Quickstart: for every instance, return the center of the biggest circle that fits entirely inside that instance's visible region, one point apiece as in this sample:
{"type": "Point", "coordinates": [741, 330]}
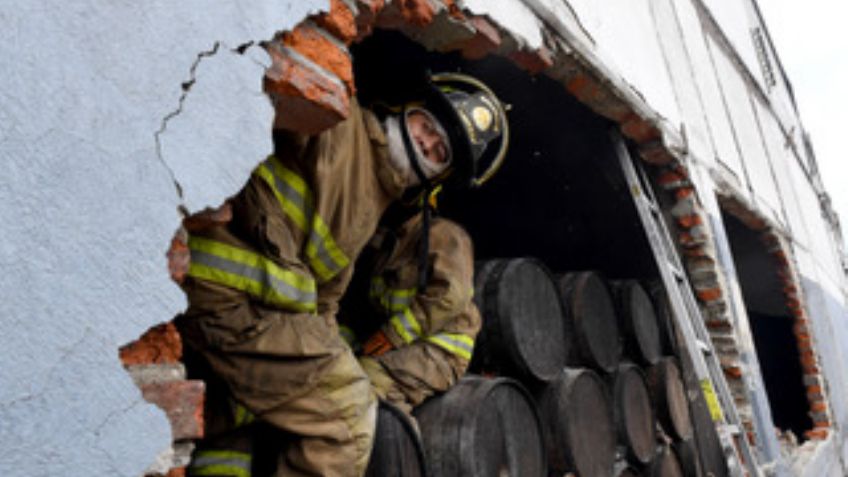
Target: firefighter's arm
{"type": "Point", "coordinates": [178, 254]}
{"type": "Point", "coordinates": [450, 282]}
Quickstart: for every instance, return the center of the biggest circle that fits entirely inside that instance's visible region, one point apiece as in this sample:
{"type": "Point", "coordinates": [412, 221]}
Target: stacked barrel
{"type": "Point", "coordinates": [570, 374]}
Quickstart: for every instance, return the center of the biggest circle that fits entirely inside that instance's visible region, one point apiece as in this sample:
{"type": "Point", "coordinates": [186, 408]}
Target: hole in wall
{"type": "Point", "coordinates": [772, 328]}
{"type": "Point", "coordinates": [559, 196]}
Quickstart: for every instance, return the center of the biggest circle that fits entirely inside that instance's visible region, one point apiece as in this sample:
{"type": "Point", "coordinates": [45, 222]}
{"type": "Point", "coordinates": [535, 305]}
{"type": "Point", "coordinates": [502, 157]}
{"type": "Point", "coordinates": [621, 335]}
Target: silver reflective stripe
{"type": "Point", "coordinates": [457, 344]}
{"type": "Point", "coordinates": [303, 203]}
{"type": "Point", "coordinates": [322, 253]}
{"type": "Point", "coordinates": [290, 193]}
{"type": "Point", "coordinates": [255, 274]}
{"type": "Point", "coordinates": [406, 326]}
{"type": "Point", "coordinates": [397, 302]}
{"type": "Point", "coordinates": [221, 463]}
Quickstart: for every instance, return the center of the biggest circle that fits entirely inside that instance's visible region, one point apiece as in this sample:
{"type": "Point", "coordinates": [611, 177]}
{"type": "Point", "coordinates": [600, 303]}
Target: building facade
{"type": "Point", "coordinates": [118, 119]}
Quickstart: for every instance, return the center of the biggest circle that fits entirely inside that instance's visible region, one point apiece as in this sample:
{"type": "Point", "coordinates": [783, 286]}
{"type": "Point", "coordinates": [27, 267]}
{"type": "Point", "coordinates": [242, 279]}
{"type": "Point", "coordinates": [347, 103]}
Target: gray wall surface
{"type": "Point", "coordinates": [88, 203]}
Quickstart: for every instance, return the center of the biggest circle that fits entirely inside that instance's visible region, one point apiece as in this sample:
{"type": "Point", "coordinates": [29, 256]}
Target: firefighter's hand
{"type": "Point", "coordinates": [209, 218]}
{"type": "Point", "coordinates": [178, 256]}
{"type": "Point", "coordinates": [377, 345]}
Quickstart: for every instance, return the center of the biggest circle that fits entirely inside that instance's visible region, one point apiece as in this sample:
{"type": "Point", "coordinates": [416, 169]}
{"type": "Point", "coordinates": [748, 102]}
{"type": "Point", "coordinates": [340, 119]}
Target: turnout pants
{"type": "Point", "coordinates": [291, 371]}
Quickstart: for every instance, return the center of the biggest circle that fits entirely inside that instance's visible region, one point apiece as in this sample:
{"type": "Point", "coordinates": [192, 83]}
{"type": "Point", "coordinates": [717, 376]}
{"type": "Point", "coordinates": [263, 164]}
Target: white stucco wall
{"type": "Point", "coordinates": [88, 205]}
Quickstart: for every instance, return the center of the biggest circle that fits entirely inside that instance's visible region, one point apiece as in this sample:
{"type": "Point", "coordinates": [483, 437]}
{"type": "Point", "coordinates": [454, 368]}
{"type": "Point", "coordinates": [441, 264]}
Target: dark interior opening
{"type": "Point", "coordinates": [559, 197]}
{"type": "Point", "coordinates": [771, 324]}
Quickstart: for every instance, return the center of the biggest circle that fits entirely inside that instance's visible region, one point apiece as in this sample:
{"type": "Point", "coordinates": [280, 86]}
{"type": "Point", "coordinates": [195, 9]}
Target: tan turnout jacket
{"type": "Point", "coordinates": [432, 330]}
{"type": "Point", "coordinates": [263, 291]}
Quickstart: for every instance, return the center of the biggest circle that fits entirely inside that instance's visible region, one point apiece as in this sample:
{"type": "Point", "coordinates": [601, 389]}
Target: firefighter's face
{"type": "Point", "coordinates": [426, 136]}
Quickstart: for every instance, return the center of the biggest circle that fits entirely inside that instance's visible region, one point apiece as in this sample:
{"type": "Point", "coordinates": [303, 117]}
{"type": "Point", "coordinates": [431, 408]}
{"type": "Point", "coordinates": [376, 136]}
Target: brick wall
{"type": "Point", "coordinates": [153, 361]}
{"type": "Point", "coordinates": [311, 81]}
{"type": "Point", "coordinates": [780, 249]}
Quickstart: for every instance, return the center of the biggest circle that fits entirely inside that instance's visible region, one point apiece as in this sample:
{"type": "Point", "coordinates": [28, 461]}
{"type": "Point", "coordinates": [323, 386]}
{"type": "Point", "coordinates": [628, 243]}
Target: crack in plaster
{"type": "Point", "coordinates": [48, 374]}
{"type": "Point", "coordinates": [186, 87]}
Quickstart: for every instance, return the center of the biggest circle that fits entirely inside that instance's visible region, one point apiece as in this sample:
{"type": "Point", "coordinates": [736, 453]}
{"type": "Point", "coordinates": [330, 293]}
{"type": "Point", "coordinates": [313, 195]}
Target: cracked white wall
{"type": "Point", "coordinates": [88, 205]}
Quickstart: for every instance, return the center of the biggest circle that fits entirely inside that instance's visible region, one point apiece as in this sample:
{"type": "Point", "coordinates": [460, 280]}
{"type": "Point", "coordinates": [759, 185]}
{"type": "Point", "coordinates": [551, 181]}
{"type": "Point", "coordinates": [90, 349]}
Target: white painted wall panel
{"type": "Point", "coordinates": [513, 15]}
{"type": "Point", "coordinates": [781, 157]}
{"type": "Point", "coordinates": [735, 20]}
{"type": "Point", "coordinates": [707, 83]}
{"type": "Point", "coordinates": [820, 236]}
{"type": "Point", "coordinates": [669, 32]}
{"type": "Point", "coordinates": [625, 39]}
{"type": "Point", "coordinates": [88, 207]}
{"type": "Point", "coordinates": [754, 159]}
{"type": "Point", "coordinates": [721, 67]}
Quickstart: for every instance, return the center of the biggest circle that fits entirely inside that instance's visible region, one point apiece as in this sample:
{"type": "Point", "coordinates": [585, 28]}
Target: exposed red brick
{"type": "Point", "coordinates": [306, 100]}
{"type": "Point", "coordinates": [733, 372]}
{"type": "Point", "coordinates": [719, 325]}
{"type": "Point", "coordinates": [158, 345]}
{"type": "Point", "coordinates": [453, 9]}
{"type": "Point", "coordinates": [816, 434]}
{"type": "Point", "coordinates": [655, 152]}
{"type": "Point", "coordinates": [176, 472]}
{"type": "Point", "coordinates": [309, 42]}
{"type": "Point", "coordinates": [639, 129]}
{"type": "Point", "coordinates": [414, 12]}
{"type": "Point", "coordinates": [672, 179]}
{"type": "Point", "coordinates": [367, 15]}
{"type": "Point", "coordinates": [818, 406]}
{"type": "Point", "coordinates": [182, 402]}
{"type": "Point", "coordinates": [697, 252]}
{"type": "Point", "coordinates": [684, 192]}
{"type": "Point", "coordinates": [590, 92]}
{"type": "Point", "coordinates": [709, 294]}
{"type": "Point", "coordinates": [808, 362]}
{"type": "Point", "coordinates": [689, 221]}
{"type": "Point", "coordinates": [533, 61]}
{"type": "Point", "coordinates": [485, 41]}
{"type": "Point", "coordinates": [339, 21]}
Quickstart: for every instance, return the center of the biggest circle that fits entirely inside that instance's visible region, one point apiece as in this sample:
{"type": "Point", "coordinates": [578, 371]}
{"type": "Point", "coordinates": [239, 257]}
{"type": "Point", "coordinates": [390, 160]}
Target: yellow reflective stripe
{"type": "Point", "coordinates": [325, 257]}
{"type": "Point", "coordinates": [455, 343]}
{"type": "Point", "coordinates": [242, 416]}
{"type": "Point", "coordinates": [252, 273]}
{"type": "Point", "coordinates": [347, 334]}
{"type": "Point", "coordinates": [391, 300]}
{"type": "Point", "coordinates": [220, 463]}
{"type": "Point", "coordinates": [289, 203]}
{"type": "Point", "coordinates": [406, 325]}
{"type": "Point", "coordinates": [378, 288]}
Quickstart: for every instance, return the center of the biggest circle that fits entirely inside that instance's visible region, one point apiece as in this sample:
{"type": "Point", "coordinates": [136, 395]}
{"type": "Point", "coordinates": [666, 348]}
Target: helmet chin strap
{"type": "Point", "coordinates": [424, 244]}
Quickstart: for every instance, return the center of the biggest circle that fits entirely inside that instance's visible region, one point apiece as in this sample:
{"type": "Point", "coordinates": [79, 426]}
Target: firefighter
{"type": "Point", "coordinates": [425, 343]}
{"type": "Point", "coordinates": [266, 273]}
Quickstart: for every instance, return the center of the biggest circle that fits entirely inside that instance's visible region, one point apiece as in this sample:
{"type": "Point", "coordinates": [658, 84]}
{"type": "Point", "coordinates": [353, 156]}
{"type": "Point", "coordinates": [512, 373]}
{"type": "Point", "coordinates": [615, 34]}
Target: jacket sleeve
{"type": "Point", "coordinates": [446, 304]}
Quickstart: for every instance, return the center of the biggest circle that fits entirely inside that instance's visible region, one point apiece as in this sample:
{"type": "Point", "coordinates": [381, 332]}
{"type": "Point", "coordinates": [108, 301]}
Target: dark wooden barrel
{"type": "Point", "coordinates": [577, 421]}
{"type": "Point", "coordinates": [590, 319]}
{"type": "Point", "coordinates": [397, 450]}
{"type": "Point", "coordinates": [665, 317]}
{"type": "Point", "coordinates": [638, 322]}
{"type": "Point", "coordinates": [482, 427]}
{"type": "Point", "coordinates": [687, 454]}
{"type": "Point", "coordinates": [669, 396]}
{"type": "Point", "coordinates": [634, 413]}
{"type": "Point", "coordinates": [665, 464]}
{"type": "Point", "coordinates": [522, 334]}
